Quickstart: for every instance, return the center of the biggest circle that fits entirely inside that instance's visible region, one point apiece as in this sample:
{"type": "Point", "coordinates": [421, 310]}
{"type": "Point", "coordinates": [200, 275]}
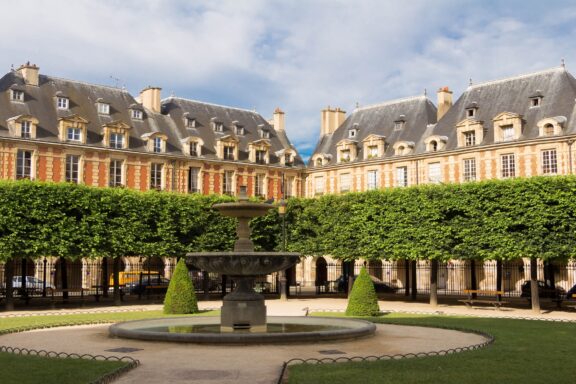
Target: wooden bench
{"type": "Point", "coordinates": [470, 301]}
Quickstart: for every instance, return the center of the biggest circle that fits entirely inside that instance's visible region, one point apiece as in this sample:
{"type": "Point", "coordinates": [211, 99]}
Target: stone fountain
{"type": "Point", "coordinates": [243, 317]}
{"type": "Point", "coordinates": [243, 308]}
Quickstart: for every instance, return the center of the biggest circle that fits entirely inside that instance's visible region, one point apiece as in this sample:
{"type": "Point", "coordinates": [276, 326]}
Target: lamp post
{"type": "Point", "coordinates": [282, 273]}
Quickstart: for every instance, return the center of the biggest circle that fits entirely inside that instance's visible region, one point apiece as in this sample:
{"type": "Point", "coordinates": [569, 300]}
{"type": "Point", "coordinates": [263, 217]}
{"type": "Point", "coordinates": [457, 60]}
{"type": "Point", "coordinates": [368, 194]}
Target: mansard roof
{"type": "Point", "coordinates": [556, 88]}
{"type": "Point", "coordinates": [416, 113]}
{"type": "Point", "coordinates": [204, 114]}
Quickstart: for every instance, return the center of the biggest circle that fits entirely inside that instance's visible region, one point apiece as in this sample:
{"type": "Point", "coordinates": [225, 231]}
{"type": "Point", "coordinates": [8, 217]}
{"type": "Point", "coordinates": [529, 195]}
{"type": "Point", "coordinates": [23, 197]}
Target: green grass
{"type": "Point", "coordinates": [23, 369]}
{"type": "Point", "coordinates": [524, 352]}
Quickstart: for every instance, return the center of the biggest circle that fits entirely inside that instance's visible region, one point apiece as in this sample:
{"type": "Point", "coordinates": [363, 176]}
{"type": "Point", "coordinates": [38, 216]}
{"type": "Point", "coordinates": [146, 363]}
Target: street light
{"type": "Point", "coordinates": [282, 273]}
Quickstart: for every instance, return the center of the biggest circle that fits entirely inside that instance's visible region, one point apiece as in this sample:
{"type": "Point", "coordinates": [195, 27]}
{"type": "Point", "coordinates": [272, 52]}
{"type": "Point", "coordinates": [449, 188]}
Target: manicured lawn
{"type": "Point", "coordinates": [525, 352]}
{"type": "Point", "coordinates": [32, 370]}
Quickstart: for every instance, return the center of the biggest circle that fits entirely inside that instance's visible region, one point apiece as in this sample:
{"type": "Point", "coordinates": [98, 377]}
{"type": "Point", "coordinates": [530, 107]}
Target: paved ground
{"type": "Point", "coordinates": [178, 363]}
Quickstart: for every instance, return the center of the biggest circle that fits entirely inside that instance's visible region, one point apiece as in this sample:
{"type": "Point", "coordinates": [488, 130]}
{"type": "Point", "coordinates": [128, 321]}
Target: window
{"type": "Point", "coordinates": [372, 180]}
{"type": "Point", "coordinates": [156, 176]}
{"type": "Point", "coordinates": [287, 159]}
{"type": "Point", "coordinates": [434, 173]}
{"type": "Point", "coordinates": [345, 182]}
{"type": "Point", "coordinates": [352, 133]}
{"type": "Point", "coordinates": [402, 176]}
{"type": "Point", "coordinates": [23, 164]}
{"type": "Point", "coordinates": [74, 134]}
{"type": "Point", "coordinates": [548, 130]}
{"type": "Point", "coordinates": [115, 176]}
{"type": "Point", "coordinates": [137, 114]}
{"type": "Point", "coordinates": [25, 129]}
{"type": "Point", "coordinates": [193, 174]}
{"type": "Point", "coordinates": [62, 102]}
{"type": "Point", "coordinates": [239, 130]}
{"type": "Point", "coordinates": [259, 185]}
{"type": "Point", "coordinates": [264, 134]}
{"type": "Point", "coordinates": [398, 125]}
{"type": "Point", "coordinates": [190, 123]}
{"type": "Point", "coordinates": [260, 157]}
{"type": "Point", "coordinates": [345, 155]}
{"type": "Point", "coordinates": [433, 146]}
{"type": "Point", "coordinates": [469, 169]}
{"type": "Point", "coordinates": [535, 101]}
{"type": "Point", "coordinates": [103, 108]}
{"type": "Point", "coordinates": [193, 148]}
{"type": "Point", "coordinates": [508, 165]}
{"type": "Point", "coordinates": [16, 95]}
{"type": "Point", "coordinates": [319, 185]}
{"type": "Point", "coordinates": [157, 145]}
{"type": "Point", "coordinates": [228, 152]}
{"type": "Point", "coordinates": [72, 168]}
{"type": "Point", "coordinates": [507, 132]}
{"type": "Point", "coordinates": [319, 162]}
{"type": "Point", "coordinates": [469, 138]}
{"type": "Point", "coordinates": [549, 162]}
{"type": "Point", "coordinates": [228, 183]}
{"type": "Point", "coordinates": [471, 112]}
{"type": "Point", "coordinates": [372, 151]}
{"type": "Point", "coordinates": [218, 127]}
{"type": "Point", "coordinates": [288, 185]}
{"type": "Point", "coordinates": [116, 140]}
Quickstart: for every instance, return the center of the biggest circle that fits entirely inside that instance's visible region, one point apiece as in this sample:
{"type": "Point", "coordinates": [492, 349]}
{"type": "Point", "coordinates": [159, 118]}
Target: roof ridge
{"type": "Point", "coordinates": [122, 89]}
{"type": "Point", "coordinates": [212, 104]}
{"type": "Point", "coordinates": [517, 77]}
{"type": "Point", "coordinates": [390, 102]}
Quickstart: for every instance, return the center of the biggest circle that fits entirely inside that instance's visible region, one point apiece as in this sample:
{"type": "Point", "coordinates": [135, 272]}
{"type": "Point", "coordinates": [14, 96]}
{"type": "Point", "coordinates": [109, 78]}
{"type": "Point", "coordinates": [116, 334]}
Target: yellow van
{"type": "Point", "coordinates": [126, 277]}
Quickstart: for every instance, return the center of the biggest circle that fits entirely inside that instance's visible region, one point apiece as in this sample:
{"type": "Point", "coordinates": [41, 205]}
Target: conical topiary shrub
{"type": "Point", "coordinates": [180, 297]}
{"type": "Point", "coordinates": [363, 300]}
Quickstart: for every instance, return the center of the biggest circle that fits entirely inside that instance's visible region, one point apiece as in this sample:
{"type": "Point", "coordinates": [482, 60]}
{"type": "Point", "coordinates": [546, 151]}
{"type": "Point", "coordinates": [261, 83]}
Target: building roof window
{"type": "Point", "coordinates": [103, 108]}
{"type": "Point", "coordinates": [536, 99]}
{"type": "Point", "coordinates": [16, 95]}
{"type": "Point", "coordinates": [62, 102]}
{"type": "Point", "coordinates": [399, 123]}
{"type": "Point", "coordinates": [190, 122]}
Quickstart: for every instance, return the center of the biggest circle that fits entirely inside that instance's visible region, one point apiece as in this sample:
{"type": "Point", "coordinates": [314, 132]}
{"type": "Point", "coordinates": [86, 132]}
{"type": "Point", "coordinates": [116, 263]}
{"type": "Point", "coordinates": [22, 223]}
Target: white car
{"type": "Point", "coordinates": [32, 283]}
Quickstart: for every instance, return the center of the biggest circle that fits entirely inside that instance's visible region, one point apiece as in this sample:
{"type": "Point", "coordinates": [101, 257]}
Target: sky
{"type": "Point", "coordinates": [299, 55]}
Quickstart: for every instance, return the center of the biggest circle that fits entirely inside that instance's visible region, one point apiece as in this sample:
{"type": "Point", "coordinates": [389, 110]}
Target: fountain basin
{"type": "Point", "coordinates": [242, 263]}
{"type": "Point", "coordinates": [280, 329]}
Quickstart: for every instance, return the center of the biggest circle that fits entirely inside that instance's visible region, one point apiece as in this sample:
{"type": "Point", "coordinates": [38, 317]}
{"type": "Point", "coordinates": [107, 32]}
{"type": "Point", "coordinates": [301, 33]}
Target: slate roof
{"type": "Point", "coordinates": [417, 112]}
{"type": "Point", "coordinates": [556, 86]}
{"type": "Point", "coordinates": [40, 102]}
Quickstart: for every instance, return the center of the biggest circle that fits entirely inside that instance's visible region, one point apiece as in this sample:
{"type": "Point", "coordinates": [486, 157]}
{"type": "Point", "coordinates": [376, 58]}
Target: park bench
{"type": "Point", "coordinates": [472, 300]}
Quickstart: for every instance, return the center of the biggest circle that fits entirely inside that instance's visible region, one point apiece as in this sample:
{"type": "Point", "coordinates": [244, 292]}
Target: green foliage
{"type": "Point", "coordinates": [363, 300]}
{"type": "Point", "coordinates": [180, 297]}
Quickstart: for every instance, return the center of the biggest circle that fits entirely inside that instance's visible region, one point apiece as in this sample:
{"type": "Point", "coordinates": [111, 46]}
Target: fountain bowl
{"type": "Point", "coordinates": [206, 330]}
{"type": "Point", "coordinates": [242, 263]}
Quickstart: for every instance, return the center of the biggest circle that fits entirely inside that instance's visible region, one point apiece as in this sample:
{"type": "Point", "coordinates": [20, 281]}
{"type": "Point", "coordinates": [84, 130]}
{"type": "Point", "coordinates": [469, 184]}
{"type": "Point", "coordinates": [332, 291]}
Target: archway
{"type": "Point", "coordinates": [321, 271]}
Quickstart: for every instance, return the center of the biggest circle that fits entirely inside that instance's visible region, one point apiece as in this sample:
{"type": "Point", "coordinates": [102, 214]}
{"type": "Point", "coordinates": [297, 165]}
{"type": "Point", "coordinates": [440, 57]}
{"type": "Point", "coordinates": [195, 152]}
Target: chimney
{"type": "Point", "coordinates": [30, 73]}
{"type": "Point", "coordinates": [330, 120]}
{"type": "Point", "coordinates": [444, 101]}
{"type": "Point", "coordinates": [150, 98]}
{"type": "Point", "coordinates": [278, 120]}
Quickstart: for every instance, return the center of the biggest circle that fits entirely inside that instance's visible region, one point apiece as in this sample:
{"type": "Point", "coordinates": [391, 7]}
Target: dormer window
{"type": "Point", "coordinates": [433, 146]}
{"type": "Point", "coordinates": [507, 132]}
{"type": "Point", "coordinates": [372, 151]}
{"type": "Point", "coordinates": [403, 148]}
{"type": "Point", "coordinates": [319, 162]}
{"type": "Point", "coordinates": [536, 99]}
{"type": "Point", "coordinates": [26, 129]}
{"type": "Point", "coordinates": [217, 125]}
{"type": "Point", "coordinates": [62, 102]}
{"type": "Point", "coordinates": [353, 132]}
{"type": "Point", "coordinates": [239, 130]}
{"type": "Point", "coordinates": [399, 124]}
{"type": "Point", "coordinates": [261, 156]}
{"type": "Point", "coordinates": [103, 108]}
{"type": "Point", "coordinates": [74, 134]}
{"type": "Point", "coordinates": [345, 155]}
{"type": "Point", "coordinates": [471, 112]}
{"type": "Point", "coordinates": [551, 126]}
{"type": "Point", "coordinates": [116, 140]}
{"type": "Point", "coordinates": [16, 95]}
{"type": "Point", "coordinates": [157, 145]}
{"type": "Point", "coordinates": [190, 122]}
{"type": "Point", "coordinates": [469, 138]}
{"type": "Point", "coordinates": [288, 159]}
{"type": "Point", "coordinates": [229, 152]}
{"type": "Point", "coordinates": [548, 130]}
{"type": "Point", "coordinates": [194, 149]}
{"type": "Point", "coordinates": [136, 114]}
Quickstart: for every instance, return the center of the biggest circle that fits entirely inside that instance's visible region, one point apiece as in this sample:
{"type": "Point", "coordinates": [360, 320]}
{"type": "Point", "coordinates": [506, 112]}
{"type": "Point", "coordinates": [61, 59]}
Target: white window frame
{"type": "Point", "coordinates": [469, 138]}
{"type": "Point", "coordinates": [508, 132]}
{"type": "Point", "coordinates": [116, 173]}
{"type": "Point", "coordinates": [103, 108]}
{"type": "Point", "coordinates": [372, 180]}
{"type": "Point", "coordinates": [259, 182]}
{"type": "Point", "coordinates": [228, 152]}
{"type": "Point", "coordinates": [156, 176]}
{"type": "Point", "coordinates": [16, 95]}
{"type": "Point", "coordinates": [193, 148]}
{"type": "Point", "coordinates": [228, 183]}
{"type": "Point", "coordinates": [62, 102]}
{"type": "Point", "coordinates": [469, 169]}
{"type": "Point", "coordinates": [507, 165]}
{"type": "Point", "coordinates": [319, 185]}
{"type": "Point", "coordinates": [116, 140]}
{"type": "Point", "coordinates": [26, 129]}
{"type": "Point", "coordinates": [72, 168]}
{"type": "Point", "coordinates": [74, 134]}
{"type": "Point", "coordinates": [137, 114]}
{"type": "Point", "coordinates": [402, 176]}
{"type": "Point", "coordinates": [157, 145]}
{"type": "Point", "coordinates": [345, 182]}
{"type": "Point", "coordinates": [193, 179]}
{"type": "Point", "coordinates": [24, 164]}
{"type": "Point", "coordinates": [434, 173]}
{"type": "Point", "coordinates": [288, 186]}
{"type": "Point", "coordinates": [549, 162]}
{"type": "Point", "coordinates": [260, 156]}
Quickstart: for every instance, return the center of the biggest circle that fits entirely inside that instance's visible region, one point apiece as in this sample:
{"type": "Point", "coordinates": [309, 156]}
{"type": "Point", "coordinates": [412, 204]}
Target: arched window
{"type": "Point", "coordinates": [548, 130]}
{"type": "Point", "coordinates": [433, 146]}
{"type": "Point", "coordinates": [319, 162]}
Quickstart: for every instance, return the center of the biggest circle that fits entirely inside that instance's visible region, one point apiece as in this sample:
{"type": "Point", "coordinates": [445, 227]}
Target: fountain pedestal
{"type": "Point", "coordinates": [243, 308]}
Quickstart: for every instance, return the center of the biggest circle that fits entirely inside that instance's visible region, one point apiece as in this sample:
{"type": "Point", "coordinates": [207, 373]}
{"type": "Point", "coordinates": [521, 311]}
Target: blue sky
{"type": "Point", "coordinates": [299, 55]}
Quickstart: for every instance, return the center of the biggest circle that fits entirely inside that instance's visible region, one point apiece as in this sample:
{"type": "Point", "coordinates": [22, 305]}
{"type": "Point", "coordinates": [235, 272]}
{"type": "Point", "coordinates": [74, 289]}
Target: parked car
{"type": "Point", "coordinates": [544, 290]}
{"type": "Point", "coordinates": [157, 285]}
{"type": "Point", "coordinates": [379, 285]}
{"type": "Point", "coordinates": [571, 291]}
{"type": "Point", "coordinates": [32, 284]}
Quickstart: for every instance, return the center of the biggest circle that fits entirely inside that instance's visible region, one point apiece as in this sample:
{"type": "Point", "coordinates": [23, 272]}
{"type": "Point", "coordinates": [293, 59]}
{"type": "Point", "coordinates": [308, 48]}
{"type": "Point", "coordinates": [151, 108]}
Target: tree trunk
{"type": "Point", "coordinates": [414, 280]}
{"type": "Point", "coordinates": [64, 277]}
{"type": "Point", "coordinates": [407, 277]}
{"type": "Point", "coordinates": [105, 277]}
{"type": "Point", "coordinates": [434, 283]}
{"type": "Point", "coordinates": [473, 280]}
{"type": "Point", "coordinates": [206, 285]}
{"type": "Point", "coordinates": [116, 273]}
{"type": "Point", "coordinates": [535, 298]}
{"type": "Point", "coordinates": [499, 277]}
{"type": "Point", "coordinates": [9, 274]}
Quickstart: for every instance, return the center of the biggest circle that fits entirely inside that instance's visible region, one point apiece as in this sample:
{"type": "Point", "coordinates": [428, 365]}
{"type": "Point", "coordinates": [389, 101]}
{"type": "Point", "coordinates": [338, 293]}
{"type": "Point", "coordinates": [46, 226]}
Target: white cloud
{"type": "Point", "coordinates": [301, 56]}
